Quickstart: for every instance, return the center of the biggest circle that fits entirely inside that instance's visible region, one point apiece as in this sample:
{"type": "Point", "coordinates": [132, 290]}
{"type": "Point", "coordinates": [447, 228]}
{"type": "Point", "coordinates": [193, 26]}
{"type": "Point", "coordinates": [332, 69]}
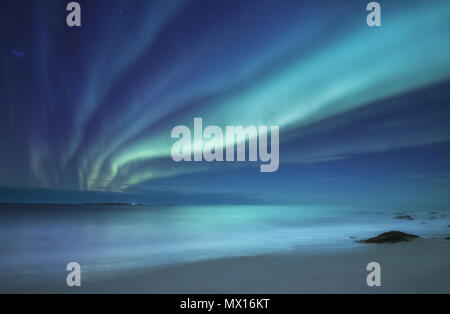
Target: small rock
{"type": "Point", "coordinates": [390, 237]}
{"type": "Point", "coordinates": [404, 217]}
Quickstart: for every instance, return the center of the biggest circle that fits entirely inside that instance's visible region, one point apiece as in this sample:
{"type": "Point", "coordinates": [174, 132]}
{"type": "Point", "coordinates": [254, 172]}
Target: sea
{"type": "Point", "coordinates": [108, 237]}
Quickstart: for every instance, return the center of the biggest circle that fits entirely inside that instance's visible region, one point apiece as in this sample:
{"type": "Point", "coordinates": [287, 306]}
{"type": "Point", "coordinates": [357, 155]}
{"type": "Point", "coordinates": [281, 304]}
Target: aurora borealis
{"type": "Point", "coordinates": [362, 111]}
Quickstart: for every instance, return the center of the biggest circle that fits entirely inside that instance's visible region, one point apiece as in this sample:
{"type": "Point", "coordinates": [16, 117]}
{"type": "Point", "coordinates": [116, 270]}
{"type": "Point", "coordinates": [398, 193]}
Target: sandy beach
{"type": "Point", "coordinates": [418, 266]}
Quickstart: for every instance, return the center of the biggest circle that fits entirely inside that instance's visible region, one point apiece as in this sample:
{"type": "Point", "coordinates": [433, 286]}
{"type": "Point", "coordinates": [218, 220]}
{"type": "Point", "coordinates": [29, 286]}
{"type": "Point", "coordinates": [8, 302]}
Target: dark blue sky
{"type": "Point", "coordinates": [86, 113]}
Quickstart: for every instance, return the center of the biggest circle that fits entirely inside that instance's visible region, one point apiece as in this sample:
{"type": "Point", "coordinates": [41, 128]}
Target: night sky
{"type": "Point", "coordinates": [86, 113]}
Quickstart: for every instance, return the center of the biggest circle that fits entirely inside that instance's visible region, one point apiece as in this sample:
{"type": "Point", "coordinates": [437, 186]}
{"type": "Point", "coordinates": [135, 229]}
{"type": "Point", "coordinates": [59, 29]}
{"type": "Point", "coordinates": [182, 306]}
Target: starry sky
{"type": "Point", "coordinates": [86, 113]}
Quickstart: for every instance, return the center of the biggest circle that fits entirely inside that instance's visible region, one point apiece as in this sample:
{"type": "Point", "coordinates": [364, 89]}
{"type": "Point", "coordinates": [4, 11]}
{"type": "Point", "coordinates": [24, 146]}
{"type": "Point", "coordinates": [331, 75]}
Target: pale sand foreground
{"type": "Point", "coordinates": [419, 266]}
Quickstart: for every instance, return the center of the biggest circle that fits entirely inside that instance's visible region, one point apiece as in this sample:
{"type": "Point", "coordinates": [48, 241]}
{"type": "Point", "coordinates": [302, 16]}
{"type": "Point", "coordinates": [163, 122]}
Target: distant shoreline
{"type": "Point", "coordinates": [82, 204]}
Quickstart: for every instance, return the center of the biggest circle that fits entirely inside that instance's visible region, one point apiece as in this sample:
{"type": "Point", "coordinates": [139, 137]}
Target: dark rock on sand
{"type": "Point", "coordinates": [390, 237]}
{"type": "Point", "coordinates": [404, 217]}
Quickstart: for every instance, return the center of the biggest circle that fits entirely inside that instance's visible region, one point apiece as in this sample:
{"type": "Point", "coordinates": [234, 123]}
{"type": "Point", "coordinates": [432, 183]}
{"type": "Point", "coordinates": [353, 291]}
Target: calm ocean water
{"type": "Point", "coordinates": [47, 236]}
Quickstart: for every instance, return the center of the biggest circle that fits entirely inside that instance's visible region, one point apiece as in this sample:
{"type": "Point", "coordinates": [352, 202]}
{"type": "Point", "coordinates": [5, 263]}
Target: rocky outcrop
{"type": "Point", "coordinates": [390, 237]}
